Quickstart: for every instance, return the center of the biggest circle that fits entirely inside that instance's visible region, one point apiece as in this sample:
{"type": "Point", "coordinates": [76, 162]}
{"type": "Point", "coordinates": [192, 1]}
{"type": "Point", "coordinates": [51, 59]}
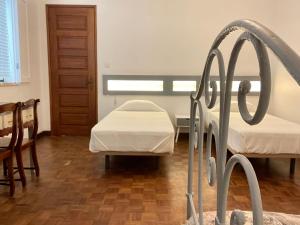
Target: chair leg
{"type": "Point", "coordinates": [11, 176]}
{"type": "Point", "coordinates": [21, 167]}
{"type": "Point", "coordinates": [156, 162]}
{"type": "Point", "coordinates": [35, 160]}
{"type": "Point", "coordinates": [5, 167]}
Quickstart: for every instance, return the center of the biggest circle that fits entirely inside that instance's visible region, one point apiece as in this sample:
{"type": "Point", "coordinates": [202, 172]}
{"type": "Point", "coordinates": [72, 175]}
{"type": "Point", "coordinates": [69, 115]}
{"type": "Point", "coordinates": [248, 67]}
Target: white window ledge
{"type": "Point", "coordinates": [12, 84]}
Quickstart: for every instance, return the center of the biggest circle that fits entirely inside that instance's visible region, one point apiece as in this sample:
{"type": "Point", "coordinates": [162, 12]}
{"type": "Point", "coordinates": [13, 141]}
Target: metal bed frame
{"type": "Point", "coordinates": [292, 158]}
{"type": "Point", "coordinates": [218, 170]}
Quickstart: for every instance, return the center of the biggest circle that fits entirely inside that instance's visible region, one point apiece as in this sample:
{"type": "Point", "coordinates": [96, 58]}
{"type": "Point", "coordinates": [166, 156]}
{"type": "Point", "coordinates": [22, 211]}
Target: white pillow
{"type": "Point", "coordinates": [234, 107]}
{"type": "Point", "coordinates": [140, 105]}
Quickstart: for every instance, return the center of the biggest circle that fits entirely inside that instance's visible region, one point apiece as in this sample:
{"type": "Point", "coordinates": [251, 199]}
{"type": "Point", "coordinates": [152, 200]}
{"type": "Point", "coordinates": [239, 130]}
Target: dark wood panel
{"type": "Point", "coordinates": [72, 72]}
{"type": "Point", "coordinates": [67, 109]}
{"type": "Point", "coordinates": [71, 22]}
{"type": "Point", "coordinates": [77, 81]}
{"type": "Point", "coordinates": [74, 119]}
{"type": "Point", "coordinates": [77, 10]}
{"type": "Point", "coordinates": [72, 52]}
{"type": "Point", "coordinates": [66, 42]}
{"type": "Point", "coordinates": [71, 100]}
{"type": "Point", "coordinates": [74, 130]}
{"type": "Point", "coordinates": [72, 63]}
{"type": "Point", "coordinates": [74, 33]}
{"type": "Point", "coordinates": [72, 91]}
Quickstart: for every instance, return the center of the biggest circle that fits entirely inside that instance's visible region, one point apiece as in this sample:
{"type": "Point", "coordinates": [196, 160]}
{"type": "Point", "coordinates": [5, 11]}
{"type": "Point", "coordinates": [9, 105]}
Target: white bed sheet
{"type": "Point", "coordinates": [133, 131]}
{"type": "Point", "coordinates": [273, 135]}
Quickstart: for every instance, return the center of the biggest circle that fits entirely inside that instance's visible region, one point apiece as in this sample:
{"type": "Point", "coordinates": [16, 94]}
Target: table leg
{"type": "Point", "coordinates": [196, 140]}
{"type": "Point", "coordinates": [177, 134]}
{"type": "Point", "coordinates": [292, 166]}
{"type": "Point", "coordinates": [107, 162]}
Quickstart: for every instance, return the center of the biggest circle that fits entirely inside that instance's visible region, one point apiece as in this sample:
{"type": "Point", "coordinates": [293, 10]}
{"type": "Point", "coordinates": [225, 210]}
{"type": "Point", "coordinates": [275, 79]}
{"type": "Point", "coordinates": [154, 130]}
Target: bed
{"type": "Point", "coordinates": [137, 127]}
{"type": "Point", "coordinates": [272, 137]}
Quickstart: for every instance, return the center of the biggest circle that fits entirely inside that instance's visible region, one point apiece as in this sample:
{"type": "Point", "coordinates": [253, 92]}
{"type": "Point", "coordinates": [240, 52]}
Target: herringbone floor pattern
{"type": "Point", "coordinates": [75, 189]}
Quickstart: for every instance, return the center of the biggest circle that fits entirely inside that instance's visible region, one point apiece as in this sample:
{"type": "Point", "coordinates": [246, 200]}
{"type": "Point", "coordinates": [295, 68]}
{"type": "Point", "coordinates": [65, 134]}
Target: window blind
{"type": "Point", "coordinates": [9, 47]}
{"type": "Point", "coordinates": [5, 57]}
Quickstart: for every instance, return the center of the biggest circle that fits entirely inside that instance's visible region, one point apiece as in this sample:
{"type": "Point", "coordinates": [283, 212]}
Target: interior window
{"type": "Point", "coordinates": [184, 85]}
{"type": "Point", "coordinates": [9, 42]}
{"type": "Point", "coordinates": [135, 85]}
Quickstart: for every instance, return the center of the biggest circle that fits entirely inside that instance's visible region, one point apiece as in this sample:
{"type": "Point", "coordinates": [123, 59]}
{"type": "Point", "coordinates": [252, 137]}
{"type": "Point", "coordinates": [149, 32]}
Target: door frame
{"type": "Point", "coordinates": [53, 129]}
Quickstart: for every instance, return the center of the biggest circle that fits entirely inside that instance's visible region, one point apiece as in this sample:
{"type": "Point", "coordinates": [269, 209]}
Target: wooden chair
{"type": "Point", "coordinates": [28, 121]}
{"type": "Point", "coordinates": [9, 114]}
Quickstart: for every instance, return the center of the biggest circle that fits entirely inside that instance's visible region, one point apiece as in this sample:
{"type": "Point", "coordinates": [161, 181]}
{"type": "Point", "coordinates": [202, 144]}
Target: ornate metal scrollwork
{"type": "Point", "coordinates": [218, 171]}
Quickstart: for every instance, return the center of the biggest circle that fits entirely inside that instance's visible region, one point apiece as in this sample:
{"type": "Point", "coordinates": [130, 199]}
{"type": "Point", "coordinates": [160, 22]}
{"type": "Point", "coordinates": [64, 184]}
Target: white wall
{"type": "Point", "coordinates": [169, 37]}
{"type": "Point", "coordinates": [30, 89]}
{"type": "Point", "coordinates": [286, 92]}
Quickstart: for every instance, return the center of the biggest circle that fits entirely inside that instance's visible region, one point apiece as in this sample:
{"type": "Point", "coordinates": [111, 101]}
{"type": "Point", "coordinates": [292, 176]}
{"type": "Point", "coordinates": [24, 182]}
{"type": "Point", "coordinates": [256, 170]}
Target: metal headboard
{"type": "Point", "coordinates": [218, 170]}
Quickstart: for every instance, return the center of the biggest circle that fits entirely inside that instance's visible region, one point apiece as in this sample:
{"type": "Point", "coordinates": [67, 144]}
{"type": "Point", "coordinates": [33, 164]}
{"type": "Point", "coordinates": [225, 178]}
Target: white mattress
{"type": "Point", "coordinates": [133, 131]}
{"type": "Point", "coordinates": [273, 135]}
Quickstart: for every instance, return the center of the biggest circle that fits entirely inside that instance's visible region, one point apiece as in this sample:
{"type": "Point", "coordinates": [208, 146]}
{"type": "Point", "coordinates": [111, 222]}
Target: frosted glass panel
{"type": "Point", "coordinates": [184, 86]}
{"type": "Point", "coordinates": [255, 86]}
{"type": "Point", "coordinates": [135, 85]}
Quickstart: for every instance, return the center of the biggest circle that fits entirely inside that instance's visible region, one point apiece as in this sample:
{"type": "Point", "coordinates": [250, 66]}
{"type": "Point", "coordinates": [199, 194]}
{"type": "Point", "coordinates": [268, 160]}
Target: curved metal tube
{"type": "Point", "coordinates": [218, 171]}
{"type": "Point", "coordinates": [244, 89]}
{"type": "Point", "coordinates": [191, 156]}
{"type": "Point", "coordinates": [253, 186]}
{"type": "Point", "coordinates": [286, 54]}
{"type": "Point", "coordinates": [200, 130]}
{"type": "Point", "coordinates": [211, 161]}
{"type": "Point", "coordinates": [288, 57]}
{"type": "Point", "coordinates": [215, 53]}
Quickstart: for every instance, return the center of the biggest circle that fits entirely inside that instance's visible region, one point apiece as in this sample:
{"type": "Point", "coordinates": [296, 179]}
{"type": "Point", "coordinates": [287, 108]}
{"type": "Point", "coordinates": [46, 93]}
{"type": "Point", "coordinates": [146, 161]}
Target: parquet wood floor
{"type": "Point", "coordinates": [75, 189]}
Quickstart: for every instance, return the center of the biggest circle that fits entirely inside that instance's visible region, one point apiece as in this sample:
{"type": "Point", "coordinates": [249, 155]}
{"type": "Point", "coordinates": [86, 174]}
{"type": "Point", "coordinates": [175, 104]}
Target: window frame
{"type": "Point", "coordinates": [185, 81]}
{"type": "Point", "coordinates": [14, 44]}
{"type": "Point", "coordinates": [167, 84]}
{"type": "Point", "coordinates": [159, 88]}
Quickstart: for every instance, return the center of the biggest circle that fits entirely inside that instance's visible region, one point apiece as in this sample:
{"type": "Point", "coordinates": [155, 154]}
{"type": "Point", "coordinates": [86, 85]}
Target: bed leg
{"type": "Point", "coordinates": [156, 162]}
{"type": "Point", "coordinates": [292, 166]}
{"type": "Point", "coordinates": [107, 162]}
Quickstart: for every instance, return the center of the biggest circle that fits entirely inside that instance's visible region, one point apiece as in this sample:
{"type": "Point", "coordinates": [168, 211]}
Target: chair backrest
{"type": "Point", "coordinates": [9, 121]}
{"type": "Point", "coordinates": [28, 119]}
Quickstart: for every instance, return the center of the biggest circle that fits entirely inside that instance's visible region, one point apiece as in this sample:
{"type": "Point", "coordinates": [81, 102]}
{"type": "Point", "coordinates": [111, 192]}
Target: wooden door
{"type": "Point", "coordinates": [72, 65]}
